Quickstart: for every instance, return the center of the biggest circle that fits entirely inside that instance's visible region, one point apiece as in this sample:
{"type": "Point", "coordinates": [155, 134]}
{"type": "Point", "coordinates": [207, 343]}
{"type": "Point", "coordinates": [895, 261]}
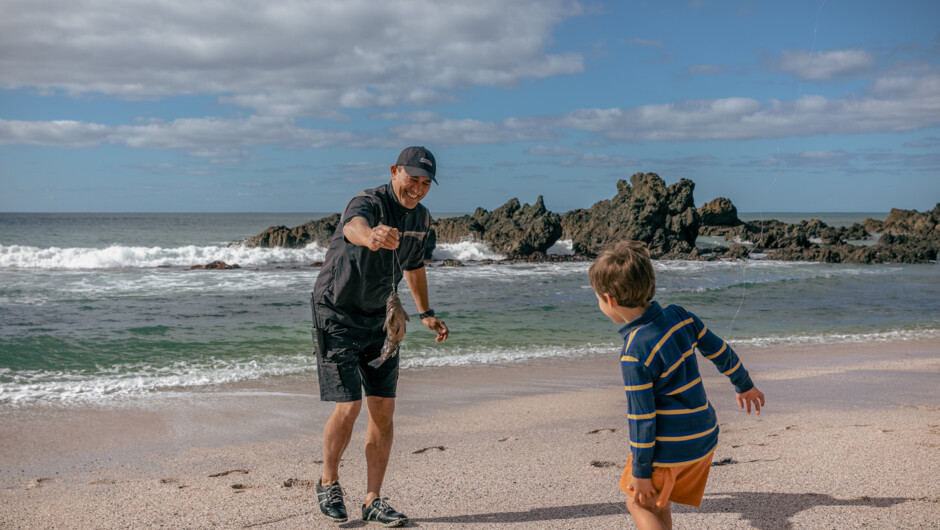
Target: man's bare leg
{"type": "Point", "coordinates": [336, 434]}
{"type": "Point", "coordinates": [379, 436]}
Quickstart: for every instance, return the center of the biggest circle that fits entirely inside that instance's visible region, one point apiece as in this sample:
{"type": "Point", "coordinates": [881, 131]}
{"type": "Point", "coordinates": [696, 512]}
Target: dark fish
{"type": "Point", "coordinates": [395, 318]}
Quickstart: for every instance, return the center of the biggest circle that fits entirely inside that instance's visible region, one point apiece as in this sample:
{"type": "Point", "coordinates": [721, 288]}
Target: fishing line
{"type": "Point", "coordinates": [747, 257]}
{"type": "Point", "coordinates": [395, 260]}
{"type": "Point", "coordinates": [761, 220]}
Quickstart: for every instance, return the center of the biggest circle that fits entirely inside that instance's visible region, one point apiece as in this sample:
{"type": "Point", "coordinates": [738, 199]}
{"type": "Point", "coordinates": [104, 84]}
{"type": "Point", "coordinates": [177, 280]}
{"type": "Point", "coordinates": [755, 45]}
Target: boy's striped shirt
{"type": "Point", "coordinates": [671, 421]}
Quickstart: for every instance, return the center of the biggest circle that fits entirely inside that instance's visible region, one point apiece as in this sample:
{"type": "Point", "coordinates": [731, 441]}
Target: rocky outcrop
{"type": "Point", "coordinates": [888, 249]}
{"type": "Point", "coordinates": [916, 241]}
{"type": "Point", "coordinates": [912, 223]}
{"type": "Point", "coordinates": [718, 212]}
{"type": "Point", "coordinates": [510, 230]}
{"type": "Point", "coordinates": [215, 265]}
{"type": "Point", "coordinates": [665, 218]}
{"type": "Point", "coordinates": [644, 210]}
{"type": "Point", "coordinates": [319, 231]}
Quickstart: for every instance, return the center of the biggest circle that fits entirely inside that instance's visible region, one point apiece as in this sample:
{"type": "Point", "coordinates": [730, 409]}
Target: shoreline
{"type": "Point", "coordinates": [850, 432]}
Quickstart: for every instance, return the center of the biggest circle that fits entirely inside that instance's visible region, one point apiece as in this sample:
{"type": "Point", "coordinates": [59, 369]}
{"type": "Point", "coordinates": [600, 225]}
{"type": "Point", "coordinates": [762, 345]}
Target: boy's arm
{"type": "Point", "coordinates": [641, 414]}
{"type": "Point", "coordinates": [718, 352]}
{"type": "Point", "coordinates": [726, 360]}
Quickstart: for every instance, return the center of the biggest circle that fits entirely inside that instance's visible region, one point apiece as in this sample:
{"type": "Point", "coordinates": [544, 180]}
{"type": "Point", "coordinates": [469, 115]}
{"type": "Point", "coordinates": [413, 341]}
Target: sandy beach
{"type": "Point", "coordinates": [850, 438]}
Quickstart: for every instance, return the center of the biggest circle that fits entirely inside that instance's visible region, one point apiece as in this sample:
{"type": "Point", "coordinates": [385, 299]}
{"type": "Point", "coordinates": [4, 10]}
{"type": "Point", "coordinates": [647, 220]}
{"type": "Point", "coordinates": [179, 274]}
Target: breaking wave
{"type": "Point", "coordinates": [118, 256]}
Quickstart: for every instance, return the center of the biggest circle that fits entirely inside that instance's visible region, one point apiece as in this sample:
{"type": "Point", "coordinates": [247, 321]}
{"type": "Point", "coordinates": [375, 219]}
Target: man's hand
{"type": "Point", "coordinates": [643, 491]}
{"type": "Point", "coordinates": [438, 326]}
{"type": "Point", "coordinates": [358, 232]}
{"type": "Point", "coordinates": [752, 396]}
{"type": "Point", "coordinates": [383, 236]}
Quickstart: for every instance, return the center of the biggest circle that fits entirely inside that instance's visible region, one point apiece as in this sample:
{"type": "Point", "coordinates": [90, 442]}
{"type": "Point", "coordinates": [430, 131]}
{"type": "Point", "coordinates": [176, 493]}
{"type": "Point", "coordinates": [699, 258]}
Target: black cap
{"type": "Point", "coordinates": [418, 162]}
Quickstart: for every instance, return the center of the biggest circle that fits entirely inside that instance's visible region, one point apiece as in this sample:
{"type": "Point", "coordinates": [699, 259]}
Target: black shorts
{"type": "Point", "coordinates": [343, 365]}
{"type": "Point", "coordinates": [344, 370]}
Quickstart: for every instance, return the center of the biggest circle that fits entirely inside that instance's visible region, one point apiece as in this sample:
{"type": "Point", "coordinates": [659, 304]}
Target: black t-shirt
{"type": "Point", "coordinates": [354, 282]}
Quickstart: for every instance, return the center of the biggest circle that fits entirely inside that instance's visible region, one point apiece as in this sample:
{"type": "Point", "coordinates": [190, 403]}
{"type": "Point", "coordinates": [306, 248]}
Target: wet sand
{"type": "Point", "coordinates": [850, 438]}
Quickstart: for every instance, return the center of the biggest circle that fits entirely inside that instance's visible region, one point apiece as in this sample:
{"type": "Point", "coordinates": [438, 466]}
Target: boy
{"type": "Point", "coordinates": [673, 427]}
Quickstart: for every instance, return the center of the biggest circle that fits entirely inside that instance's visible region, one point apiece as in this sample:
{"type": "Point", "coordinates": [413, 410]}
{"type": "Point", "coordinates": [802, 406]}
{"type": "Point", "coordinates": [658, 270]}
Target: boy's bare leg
{"type": "Point", "coordinates": [379, 436]}
{"type": "Point", "coordinates": [650, 518]}
{"type": "Point", "coordinates": [336, 435]}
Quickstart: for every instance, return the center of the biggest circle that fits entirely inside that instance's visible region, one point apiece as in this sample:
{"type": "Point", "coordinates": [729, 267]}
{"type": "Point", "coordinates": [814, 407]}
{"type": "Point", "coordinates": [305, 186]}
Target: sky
{"type": "Point", "coordinates": [295, 106]}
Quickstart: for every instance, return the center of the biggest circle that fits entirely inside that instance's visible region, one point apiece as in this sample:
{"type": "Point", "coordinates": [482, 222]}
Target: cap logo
{"type": "Point", "coordinates": [426, 161]}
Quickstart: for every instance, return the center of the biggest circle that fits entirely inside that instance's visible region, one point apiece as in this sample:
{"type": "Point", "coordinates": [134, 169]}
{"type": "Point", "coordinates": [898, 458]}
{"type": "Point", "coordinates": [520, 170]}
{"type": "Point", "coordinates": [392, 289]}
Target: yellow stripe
{"type": "Point", "coordinates": [642, 446]}
{"type": "Point", "coordinates": [687, 462]}
{"type": "Point", "coordinates": [634, 388]}
{"type": "Point", "coordinates": [630, 339]}
{"type": "Point", "coordinates": [684, 438]}
{"type": "Point", "coordinates": [686, 387]}
{"type": "Point", "coordinates": [704, 331]}
{"type": "Point", "coordinates": [684, 356]}
{"type": "Point", "coordinates": [641, 416]}
{"type": "Point", "coordinates": [628, 358]}
{"type": "Point", "coordinates": [724, 345]}
{"type": "Point", "coordinates": [665, 338]}
{"type": "Point", "coordinates": [676, 412]}
{"type": "Point", "coordinates": [731, 371]}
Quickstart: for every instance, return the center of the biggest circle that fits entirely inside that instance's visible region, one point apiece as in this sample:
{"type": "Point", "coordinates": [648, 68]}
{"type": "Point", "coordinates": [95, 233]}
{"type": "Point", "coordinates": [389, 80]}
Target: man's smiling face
{"type": "Point", "coordinates": [409, 190]}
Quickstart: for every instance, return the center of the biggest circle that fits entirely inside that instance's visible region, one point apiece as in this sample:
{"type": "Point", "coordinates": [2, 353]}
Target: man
{"type": "Point", "coordinates": [381, 237]}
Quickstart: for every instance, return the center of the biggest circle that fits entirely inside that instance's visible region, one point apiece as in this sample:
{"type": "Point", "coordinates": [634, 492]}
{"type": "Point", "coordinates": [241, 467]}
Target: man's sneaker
{"type": "Point", "coordinates": [331, 501]}
{"type": "Point", "coordinates": [379, 512]}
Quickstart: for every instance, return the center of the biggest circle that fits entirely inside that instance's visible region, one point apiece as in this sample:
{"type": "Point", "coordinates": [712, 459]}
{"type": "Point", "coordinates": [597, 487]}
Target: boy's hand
{"type": "Point", "coordinates": [643, 491]}
{"type": "Point", "coordinates": [752, 396]}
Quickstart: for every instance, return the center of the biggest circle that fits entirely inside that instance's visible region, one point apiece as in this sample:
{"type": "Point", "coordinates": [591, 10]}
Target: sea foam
{"type": "Point", "coordinates": [118, 256]}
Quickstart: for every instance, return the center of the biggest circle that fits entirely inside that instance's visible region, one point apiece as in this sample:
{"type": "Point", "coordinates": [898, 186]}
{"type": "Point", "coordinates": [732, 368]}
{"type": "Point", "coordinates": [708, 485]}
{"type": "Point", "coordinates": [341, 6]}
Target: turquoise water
{"type": "Point", "coordinates": [101, 306]}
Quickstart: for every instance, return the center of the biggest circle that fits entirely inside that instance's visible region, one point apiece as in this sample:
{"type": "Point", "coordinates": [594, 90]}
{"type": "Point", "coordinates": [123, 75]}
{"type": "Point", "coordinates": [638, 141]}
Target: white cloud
{"type": "Point", "coordinates": [600, 160]}
{"type": "Point", "coordinates": [462, 132]}
{"type": "Point", "coordinates": [292, 57]}
{"type": "Point", "coordinates": [890, 105]}
{"type": "Point", "coordinates": [218, 138]}
{"type": "Point", "coordinates": [62, 133]}
{"type": "Point", "coordinates": [893, 105]}
{"type": "Point", "coordinates": [706, 69]}
{"type": "Point", "coordinates": [554, 150]}
{"type": "Point", "coordinates": [820, 66]}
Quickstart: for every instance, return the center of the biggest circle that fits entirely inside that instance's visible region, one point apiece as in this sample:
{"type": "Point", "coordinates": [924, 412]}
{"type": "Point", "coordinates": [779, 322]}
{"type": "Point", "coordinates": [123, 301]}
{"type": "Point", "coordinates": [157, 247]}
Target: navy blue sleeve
{"type": "Point", "coordinates": [716, 350]}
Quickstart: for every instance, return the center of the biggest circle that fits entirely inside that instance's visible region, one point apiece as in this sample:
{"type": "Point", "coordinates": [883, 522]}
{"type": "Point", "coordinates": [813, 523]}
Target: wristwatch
{"type": "Point", "coordinates": [426, 314]}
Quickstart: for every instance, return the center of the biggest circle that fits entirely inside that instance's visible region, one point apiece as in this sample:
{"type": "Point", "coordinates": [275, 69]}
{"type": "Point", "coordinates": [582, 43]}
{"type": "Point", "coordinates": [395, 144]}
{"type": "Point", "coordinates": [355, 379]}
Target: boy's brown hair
{"type": "Point", "coordinates": [625, 272]}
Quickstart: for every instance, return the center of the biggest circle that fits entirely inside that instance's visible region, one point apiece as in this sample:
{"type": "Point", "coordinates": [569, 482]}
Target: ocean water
{"type": "Point", "coordinates": [103, 307]}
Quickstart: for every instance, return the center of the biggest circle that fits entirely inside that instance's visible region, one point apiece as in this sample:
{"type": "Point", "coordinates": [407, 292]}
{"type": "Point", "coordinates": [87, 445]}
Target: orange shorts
{"type": "Point", "coordinates": [682, 484]}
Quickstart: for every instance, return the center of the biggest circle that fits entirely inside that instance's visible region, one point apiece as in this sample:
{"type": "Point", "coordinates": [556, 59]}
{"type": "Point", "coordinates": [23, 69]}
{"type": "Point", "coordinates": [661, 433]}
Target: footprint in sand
{"type": "Point", "coordinates": [175, 481]}
{"type": "Point", "coordinates": [37, 483]}
{"type": "Point", "coordinates": [598, 431]}
{"type": "Point", "coordinates": [432, 448]}
{"type": "Point", "coordinates": [230, 472]}
{"type": "Point", "coordinates": [103, 481]}
{"type": "Point", "coordinates": [299, 483]}
{"type": "Point", "coordinates": [508, 439]}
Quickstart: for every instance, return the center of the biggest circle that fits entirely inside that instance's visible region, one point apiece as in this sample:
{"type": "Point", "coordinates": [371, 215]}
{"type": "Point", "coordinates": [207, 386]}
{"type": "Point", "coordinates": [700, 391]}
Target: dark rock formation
{"type": "Point", "coordinates": [319, 231]}
{"type": "Point", "coordinates": [644, 210]}
{"type": "Point", "coordinates": [888, 249]}
{"type": "Point", "coordinates": [215, 265]}
{"type": "Point", "coordinates": [924, 225]}
{"type": "Point", "coordinates": [665, 218]}
{"type": "Point", "coordinates": [718, 212]}
{"type": "Point", "coordinates": [510, 229]}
